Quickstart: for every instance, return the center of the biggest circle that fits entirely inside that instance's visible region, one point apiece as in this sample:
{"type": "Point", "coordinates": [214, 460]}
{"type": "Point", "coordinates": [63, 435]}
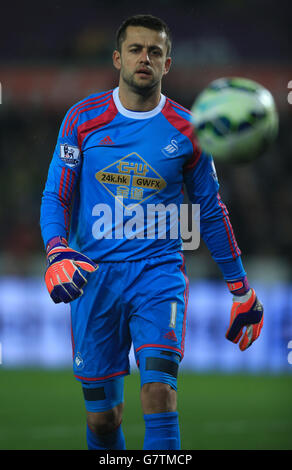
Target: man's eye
{"type": "Point", "coordinates": [156, 52]}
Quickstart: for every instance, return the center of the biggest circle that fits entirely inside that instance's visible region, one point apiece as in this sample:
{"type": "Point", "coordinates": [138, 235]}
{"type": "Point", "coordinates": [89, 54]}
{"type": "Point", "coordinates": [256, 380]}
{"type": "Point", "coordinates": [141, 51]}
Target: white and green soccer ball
{"type": "Point", "coordinates": [235, 119]}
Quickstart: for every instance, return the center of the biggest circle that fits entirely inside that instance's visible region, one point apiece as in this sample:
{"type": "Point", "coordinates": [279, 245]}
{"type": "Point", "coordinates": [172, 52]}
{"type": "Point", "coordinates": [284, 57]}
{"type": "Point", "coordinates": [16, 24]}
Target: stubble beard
{"type": "Point", "coordinates": [140, 88]}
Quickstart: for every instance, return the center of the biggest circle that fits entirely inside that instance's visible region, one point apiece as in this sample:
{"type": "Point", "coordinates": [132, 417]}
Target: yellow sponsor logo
{"type": "Point", "coordinates": [129, 167]}
{"type": "Point", "coordinates": [149, 183]}
{"type": "Point", "coordinates": [112, 178]}
{"type": "Point", "coordinates": [131, 178]}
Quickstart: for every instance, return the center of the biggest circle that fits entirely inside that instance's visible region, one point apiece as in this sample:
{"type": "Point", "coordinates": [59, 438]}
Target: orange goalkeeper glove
{"type": "Point", "coordinates": [248, 312]}
{"type": "Point", "coordinates": [63, 278]}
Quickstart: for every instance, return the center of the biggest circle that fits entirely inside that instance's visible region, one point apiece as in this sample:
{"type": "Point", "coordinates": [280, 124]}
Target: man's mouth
{"type": "Point", "coordinates": [143, 72]}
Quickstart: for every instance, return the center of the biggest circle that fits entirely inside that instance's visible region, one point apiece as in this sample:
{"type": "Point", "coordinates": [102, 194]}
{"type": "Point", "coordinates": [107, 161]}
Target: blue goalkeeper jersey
{"type": "Point", "coordinates": [111, 165]}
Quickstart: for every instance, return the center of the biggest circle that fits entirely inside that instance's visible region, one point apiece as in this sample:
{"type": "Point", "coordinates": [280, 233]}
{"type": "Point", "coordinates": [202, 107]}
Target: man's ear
{"type": "Point", "coordinates": [117, 59]}
{"type": "Point", "coordinates": [167, 65]}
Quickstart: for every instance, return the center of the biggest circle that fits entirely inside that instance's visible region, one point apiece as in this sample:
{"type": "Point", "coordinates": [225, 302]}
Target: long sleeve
{"type": "Point", "coordinates": [215, 227]}
{"type": "Point", "coordinates": [61, 182]}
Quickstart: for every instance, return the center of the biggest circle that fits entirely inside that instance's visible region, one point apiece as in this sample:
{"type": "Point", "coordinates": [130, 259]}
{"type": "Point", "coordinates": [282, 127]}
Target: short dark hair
{"type": "Point", "coordinates": [147, 21]}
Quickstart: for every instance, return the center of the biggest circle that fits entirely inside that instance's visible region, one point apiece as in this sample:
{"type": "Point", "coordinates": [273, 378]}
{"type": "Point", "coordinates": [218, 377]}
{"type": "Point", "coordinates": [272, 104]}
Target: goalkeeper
{"type": "Point", "coordinates": [133, 142]}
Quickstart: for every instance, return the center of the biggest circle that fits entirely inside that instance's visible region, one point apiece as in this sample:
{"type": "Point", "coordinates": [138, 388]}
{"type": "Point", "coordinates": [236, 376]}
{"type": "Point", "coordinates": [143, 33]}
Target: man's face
{"type": "Point", "coordinates": [143, 59]}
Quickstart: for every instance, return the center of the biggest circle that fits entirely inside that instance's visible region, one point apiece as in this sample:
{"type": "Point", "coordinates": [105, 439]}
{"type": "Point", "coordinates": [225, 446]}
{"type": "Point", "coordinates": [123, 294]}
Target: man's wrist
{"type": "Point", "coordinates": [238, 286]}
{"type": "Point", "coordinates": [56, 241]}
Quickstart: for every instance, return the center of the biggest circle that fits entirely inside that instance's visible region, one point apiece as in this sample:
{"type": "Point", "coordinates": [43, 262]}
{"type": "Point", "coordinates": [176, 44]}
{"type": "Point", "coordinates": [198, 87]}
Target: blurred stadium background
{"type": "Point", "coordinates": [53, 55]}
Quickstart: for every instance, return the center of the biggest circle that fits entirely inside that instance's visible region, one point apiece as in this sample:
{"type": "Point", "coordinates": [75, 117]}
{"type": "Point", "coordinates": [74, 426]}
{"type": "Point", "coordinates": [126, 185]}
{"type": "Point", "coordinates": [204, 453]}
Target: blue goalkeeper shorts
{"type": "Point", "coordinates": [141, 302]}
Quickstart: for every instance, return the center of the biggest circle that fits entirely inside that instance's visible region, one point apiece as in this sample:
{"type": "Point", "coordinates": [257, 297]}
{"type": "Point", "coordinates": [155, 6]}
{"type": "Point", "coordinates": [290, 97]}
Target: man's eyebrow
{"type": "Point", "coordinates": [136, 44]}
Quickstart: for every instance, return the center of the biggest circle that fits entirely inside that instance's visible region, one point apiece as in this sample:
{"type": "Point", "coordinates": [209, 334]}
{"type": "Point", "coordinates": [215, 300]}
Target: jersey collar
{"type": "Point", "coordinates": [137, 114]}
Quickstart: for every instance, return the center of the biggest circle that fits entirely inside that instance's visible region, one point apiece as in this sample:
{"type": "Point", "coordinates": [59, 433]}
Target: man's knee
{"type": "Point", "coordinates": [158, 373]}
{"type": "Point", "coordinates": [104, 404]}
{"type": "Point", "coordinates": [158, 398]}
{"type": "Point", "coordinates": [105, 422]}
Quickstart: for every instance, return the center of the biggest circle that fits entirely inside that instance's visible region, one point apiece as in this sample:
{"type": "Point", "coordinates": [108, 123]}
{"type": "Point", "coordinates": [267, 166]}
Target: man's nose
{"type": "Point", "coordinates": [144, 56]}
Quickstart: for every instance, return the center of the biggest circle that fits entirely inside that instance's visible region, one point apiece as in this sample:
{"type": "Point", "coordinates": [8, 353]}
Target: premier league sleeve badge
{"type": "Point", "coordinates": [70, 155]}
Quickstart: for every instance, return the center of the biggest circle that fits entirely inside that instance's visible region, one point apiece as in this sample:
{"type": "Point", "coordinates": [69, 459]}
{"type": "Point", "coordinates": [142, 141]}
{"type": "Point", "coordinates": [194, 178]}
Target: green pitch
{"type": "Point", "coordinates": [44, 410]}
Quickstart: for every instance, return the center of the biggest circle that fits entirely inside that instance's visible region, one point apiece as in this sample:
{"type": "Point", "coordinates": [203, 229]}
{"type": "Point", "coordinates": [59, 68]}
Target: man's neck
{"type": "Point", "coordinates": [138, 102]}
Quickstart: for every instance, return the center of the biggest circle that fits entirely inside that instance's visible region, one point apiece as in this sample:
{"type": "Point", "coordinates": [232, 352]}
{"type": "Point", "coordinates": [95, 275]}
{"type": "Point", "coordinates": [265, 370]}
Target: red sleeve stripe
{"type": "Point", "coordinates": [65, 194]}
{"type": "Point", "coordinates": [67, 197]}
{"type": "Point", "coordinates": [61, 199]}
{"type": "Point", "coordinates": [222, 205]}
{"type": "Point", "coordinates": [229, 230]}
{"type": "Point", "coordinates": [71, 185]}
{"type": "Point", "coordinates": [61, 183]}
{"type": "Point", "coordinates": [229, 239]}
{"type": "Point", "coordinates": [96, 123]}
{"type": "Point", "coordinates": [100, 105]}
{"type": "Point", "coordinates": [78, 106]}
{"type": "Point", "coordinates": [237, 250]}
{"type": "Point", "coordinates": [68, 175]}
{"type": "Point", "coordinates": [66, 184]}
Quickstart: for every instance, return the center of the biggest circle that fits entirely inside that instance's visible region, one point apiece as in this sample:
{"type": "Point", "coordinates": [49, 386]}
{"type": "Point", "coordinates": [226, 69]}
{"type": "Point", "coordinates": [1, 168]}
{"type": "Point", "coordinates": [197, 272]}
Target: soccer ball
{"type": "Point", "coordinates": [235, 119]}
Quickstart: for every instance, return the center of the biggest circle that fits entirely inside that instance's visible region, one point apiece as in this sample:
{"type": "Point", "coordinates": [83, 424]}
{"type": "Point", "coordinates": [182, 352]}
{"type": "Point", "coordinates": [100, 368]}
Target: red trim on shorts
{"type": "Point", "coordinates": [92, 379]}
{"type": "Point", "coordinates": [159, 346]}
